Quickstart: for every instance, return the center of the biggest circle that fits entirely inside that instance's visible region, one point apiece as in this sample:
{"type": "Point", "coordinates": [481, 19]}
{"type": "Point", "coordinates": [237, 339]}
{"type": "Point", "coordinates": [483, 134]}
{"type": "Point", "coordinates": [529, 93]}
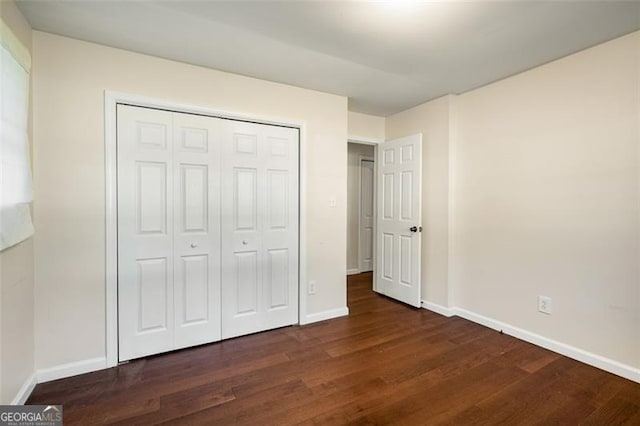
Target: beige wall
{"type": "Point", "coordinates": [432, 119]}
{"type": "Point", "coordinates": [16, 278]}
{"type": "Point", "coordinates": [355, 152]}
{"type": "Point", "coordinates": [70, 77]}
{"type": "Point", "coordinates": [17, 346]}
{"type": "Point", "coordinates": [366, 127]}
{"type": "Point", "coordinates": [531, 184]}
{"type": "Point", "coordinates": [547, 200]}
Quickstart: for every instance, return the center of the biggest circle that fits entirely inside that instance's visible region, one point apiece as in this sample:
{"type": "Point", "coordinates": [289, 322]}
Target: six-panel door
{"type": "Point", "coordinates": [399, 211]}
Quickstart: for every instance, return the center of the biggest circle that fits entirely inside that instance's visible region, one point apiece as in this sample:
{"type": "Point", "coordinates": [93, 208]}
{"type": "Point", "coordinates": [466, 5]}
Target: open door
{"type": "Point", "coordinates": [398, 230]}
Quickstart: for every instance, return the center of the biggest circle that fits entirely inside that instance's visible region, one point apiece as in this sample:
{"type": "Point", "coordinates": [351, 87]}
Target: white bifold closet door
{"type": "Point", "coordinates": [259, 228]}
{"type": "Point", "coordinates": [194, 191]}
{"type": "Point", "coordinates": [168, 231]}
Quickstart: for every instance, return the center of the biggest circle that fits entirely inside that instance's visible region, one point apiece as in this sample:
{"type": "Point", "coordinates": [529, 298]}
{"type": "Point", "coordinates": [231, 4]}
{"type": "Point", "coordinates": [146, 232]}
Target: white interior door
{"type": "Point", "coordinates": [399, 219]}
{"type": "Point", "coordinates": [196, 183]}
{"type": "Point", "coordinates": [366, 234]}
{"type": "Point", "coordinates": [145, 232]}
{"type": "Point", "coordinates": [259, 228]}
{"type": "Point", "coordinates": [168, 231]}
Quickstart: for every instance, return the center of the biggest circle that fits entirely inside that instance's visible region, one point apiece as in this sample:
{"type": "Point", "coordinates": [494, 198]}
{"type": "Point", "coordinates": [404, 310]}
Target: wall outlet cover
{"type": "Point", "coordinates": [544, 305]}
{"type": "Point", "coordinates": [312, 287]}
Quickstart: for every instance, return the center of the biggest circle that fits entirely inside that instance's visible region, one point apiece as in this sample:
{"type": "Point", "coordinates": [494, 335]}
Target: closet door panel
{"type": "Point", "coordinates": [196, 180]}
{"type": "Point", "coordinates": [145, 232]}
{"type": "Point", "coordinates": [259, 228]}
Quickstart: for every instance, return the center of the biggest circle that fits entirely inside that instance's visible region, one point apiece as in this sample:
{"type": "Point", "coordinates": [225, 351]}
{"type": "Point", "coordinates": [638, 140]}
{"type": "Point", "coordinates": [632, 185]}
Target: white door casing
{"type": "Point", "coordinates": [399, 178]}
{"type": "Point", "coordinates": [366, 220]}
{"type": "Point", "coordinates": [259, 228]}
{"type": "Point", "coordinates": [111, 101]}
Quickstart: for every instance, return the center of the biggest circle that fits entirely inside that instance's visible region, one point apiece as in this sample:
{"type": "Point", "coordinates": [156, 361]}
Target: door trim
{"type": "Point", "coordinates": [111, 99]}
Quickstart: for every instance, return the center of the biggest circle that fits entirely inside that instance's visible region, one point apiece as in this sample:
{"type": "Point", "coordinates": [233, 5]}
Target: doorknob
{"type": "Point", "coordinates": [416, 229]}
{"type": "Point", "coordinates": [194, 245]}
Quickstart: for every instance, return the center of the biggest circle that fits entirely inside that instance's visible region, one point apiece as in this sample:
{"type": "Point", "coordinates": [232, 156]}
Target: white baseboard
{"type": "Point", "coordinates": [25, 390]}
{"type": "Point", "coordinates": [438, 309]}
{"type": "Point", "coordinates": [353, 271]}
{"type": "Point", "coordinates": [325, 315]}
{"type": "Point", "coordinates": [71, 369]}
{"type": "Point", "coordinates": [603, 363]}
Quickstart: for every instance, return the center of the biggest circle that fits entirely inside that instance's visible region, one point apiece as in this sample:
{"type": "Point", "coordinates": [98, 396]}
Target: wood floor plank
{"type": "Point", "coordinates": [384, 363]}
{"type": "Point", "coordinates": [250, 410]}
{"type": "Point", "coordinates": [617, 411]}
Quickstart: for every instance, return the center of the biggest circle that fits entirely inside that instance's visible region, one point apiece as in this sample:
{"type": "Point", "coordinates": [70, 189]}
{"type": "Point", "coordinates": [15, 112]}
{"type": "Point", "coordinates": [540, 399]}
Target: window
{"type": "Point", "coordinates": [16, 191]}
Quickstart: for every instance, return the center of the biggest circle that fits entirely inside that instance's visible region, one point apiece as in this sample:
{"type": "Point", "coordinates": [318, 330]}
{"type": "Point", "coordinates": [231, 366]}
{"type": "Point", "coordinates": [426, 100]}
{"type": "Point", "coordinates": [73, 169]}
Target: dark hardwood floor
{"type": "Point", "coordinates": [385, 363]}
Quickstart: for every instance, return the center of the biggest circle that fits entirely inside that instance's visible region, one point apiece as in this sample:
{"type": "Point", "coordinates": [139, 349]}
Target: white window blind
{"type": "Point", "coordinates": [16, 192]}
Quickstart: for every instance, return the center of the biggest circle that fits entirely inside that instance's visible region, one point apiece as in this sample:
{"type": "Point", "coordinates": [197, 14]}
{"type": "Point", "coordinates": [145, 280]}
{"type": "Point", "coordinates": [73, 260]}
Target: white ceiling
{"type": "Point", "coordinates": [386, 56]}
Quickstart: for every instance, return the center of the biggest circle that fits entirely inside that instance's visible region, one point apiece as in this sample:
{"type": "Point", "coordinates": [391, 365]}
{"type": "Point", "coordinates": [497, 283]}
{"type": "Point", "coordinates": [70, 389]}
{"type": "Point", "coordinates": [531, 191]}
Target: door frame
{"type": "Point", "coordinates": [373, 142]}
{"type": "Point", "coordinates": [362, 158]}
{"type": "Point", "coordinates": [111, 99]}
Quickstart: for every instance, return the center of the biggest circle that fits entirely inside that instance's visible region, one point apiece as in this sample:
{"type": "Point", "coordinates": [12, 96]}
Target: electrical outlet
{"type": "Point", "coordinates": [312, 287]}
{"type": "Point", "coordinates": [544, 304]}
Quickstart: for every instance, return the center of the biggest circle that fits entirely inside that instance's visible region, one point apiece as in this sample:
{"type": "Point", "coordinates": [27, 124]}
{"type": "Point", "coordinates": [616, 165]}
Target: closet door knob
{"type": "Point", "coordinates": [194, 245]}
{"type": "Point", "coordinates": [245, 242]}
